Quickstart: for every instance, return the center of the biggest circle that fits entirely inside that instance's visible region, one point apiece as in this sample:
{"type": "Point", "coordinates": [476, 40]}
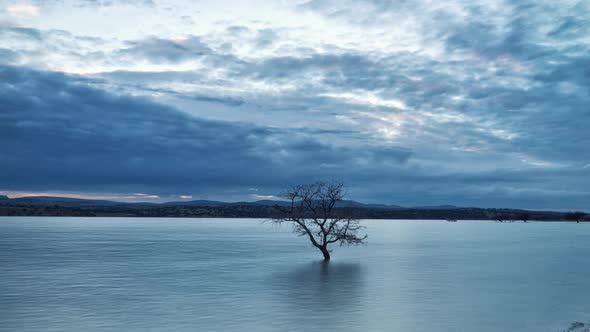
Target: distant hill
{"type": "Point", "coordinates": [49, 200]}
{"type": "Point", "coordinates": [437, 207]}
{"type": "Point", "coordinates": [268, 202]}
{"type": "Point", "coordinates": [63, 206]}
{"type": "Point", "coordinates": [195, 203]}
{"type": "Point", "coordinates": [80, 202]}
{"type": "Point", "coordinates": [345, 203]}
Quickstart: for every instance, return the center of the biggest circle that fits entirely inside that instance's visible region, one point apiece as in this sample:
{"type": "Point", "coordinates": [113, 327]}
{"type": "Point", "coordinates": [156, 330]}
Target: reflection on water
{"type": "Point", "coordinates": [317, 292]}
{"type": "Point", "coordinates": [578, 327]}
{"type": "Point", "coordinates": [321, 284]}
{"type": "Point", "coordinates": [101, 274]}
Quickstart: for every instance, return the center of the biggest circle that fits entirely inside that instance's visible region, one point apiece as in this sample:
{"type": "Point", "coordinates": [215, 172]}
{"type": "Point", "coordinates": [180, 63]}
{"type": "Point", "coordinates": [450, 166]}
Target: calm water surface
{"type": "Point", "coordinates": [119, 274]}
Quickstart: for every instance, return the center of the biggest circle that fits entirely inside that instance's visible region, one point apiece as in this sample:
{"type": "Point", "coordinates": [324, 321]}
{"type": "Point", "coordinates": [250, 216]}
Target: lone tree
{"type": "Point", "coordinates": [313, 212]}
{"type": "Point", "coordinates": [501, 217]}
{"type": "Point", "coordinates": [524, 216]}
{"type": "Point", "coordinates": [575, 216]}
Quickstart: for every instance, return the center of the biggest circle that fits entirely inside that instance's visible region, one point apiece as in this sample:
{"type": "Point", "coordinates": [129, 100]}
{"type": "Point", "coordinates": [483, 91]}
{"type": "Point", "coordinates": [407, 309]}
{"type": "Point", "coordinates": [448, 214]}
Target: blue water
{"type": "Point", "coordinates": [123, 274]}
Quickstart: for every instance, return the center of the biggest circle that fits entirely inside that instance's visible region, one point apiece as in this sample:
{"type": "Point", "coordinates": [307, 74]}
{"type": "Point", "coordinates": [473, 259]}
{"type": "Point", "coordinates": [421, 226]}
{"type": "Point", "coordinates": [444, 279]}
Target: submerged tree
{"type": "Point", "coordinates": [524, 216]}
{"type": "Point", "coordinates": [575, 216]}
{"type": "Point", "coordinates": [501, 217]}
{"type": "Point", "coordinates": [313, 211]}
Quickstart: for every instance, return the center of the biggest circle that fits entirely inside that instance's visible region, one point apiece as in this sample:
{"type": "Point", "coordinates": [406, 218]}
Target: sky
{"type": "Point", "coordinates": [465, 102]}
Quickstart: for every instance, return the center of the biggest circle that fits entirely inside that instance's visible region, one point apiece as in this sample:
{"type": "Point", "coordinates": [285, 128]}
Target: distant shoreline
{"type": "Point", "coordinates": [250, 211]}
{"type": "Point", "coordinates": [85, 208]}
{"type": "Point", "coordinates": [263, 218]}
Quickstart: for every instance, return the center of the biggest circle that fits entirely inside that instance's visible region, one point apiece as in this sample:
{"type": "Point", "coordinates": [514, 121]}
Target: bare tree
{"type": "Point", "coordinates": [501, 217]}
{"type": "Point", "coordinates": [524, 216]}
{"type": "Point", "coordinates": [313, 212]}
{"type": "Point", "coordinates": [575, 216]}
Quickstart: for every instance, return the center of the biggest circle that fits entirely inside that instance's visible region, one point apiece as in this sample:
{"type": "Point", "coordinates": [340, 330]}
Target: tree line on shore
{"type": "Point", "coordinates": [260, 211]}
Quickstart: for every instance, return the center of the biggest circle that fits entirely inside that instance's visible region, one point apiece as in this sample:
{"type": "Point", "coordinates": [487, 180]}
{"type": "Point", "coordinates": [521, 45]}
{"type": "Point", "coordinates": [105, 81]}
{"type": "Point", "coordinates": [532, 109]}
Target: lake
{"type": "Point", "coordinates": [131, 274]}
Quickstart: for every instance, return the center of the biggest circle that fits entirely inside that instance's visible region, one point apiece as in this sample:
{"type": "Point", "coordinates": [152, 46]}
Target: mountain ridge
{"type": "Point", "coordinates": [70, 201]}
{"type": "Point", "coordinates": [74, 207]}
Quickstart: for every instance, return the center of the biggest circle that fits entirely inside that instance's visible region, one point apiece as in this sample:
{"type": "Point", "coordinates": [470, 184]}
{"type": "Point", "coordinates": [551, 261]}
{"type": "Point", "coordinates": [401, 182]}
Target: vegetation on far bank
{"type": "Point", "coordinates": [246, 210]}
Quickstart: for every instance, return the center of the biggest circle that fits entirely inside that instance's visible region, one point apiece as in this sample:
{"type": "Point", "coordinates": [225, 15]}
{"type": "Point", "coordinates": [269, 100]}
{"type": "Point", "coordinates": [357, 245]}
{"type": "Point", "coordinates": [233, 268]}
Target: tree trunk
{"type": "Point", "coordinates": [326, 253]}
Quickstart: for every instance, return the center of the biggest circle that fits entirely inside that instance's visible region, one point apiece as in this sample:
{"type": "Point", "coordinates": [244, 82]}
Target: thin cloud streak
{"type": "Point", "coordinates": [23, 9]}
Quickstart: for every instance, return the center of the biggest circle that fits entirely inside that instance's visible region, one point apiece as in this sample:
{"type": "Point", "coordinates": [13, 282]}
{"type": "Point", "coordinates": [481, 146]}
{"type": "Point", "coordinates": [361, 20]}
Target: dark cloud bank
{"type": "Point", "coordinates": [57, 131]}
{"type": "Point", "coordinates": [516, 137]}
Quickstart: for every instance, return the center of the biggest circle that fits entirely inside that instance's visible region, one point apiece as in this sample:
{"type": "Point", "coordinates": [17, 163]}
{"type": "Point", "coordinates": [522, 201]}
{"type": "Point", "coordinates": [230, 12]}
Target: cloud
{"type": "Point", "coordinates": [138, 197]}
{"type": "Point", "coordinates": [160, 50]}
{"type": "Point", "coordinates": [148, 3]}
{"type": "Point", "coordinates": [107, 3]}
{"type": "Point", "coordinates": [266, 38]}
{"type": "Point", "coordinates": [93, 140]}
{"type": "Point", "coordinates": [368, 99]}
{"type": "Point", "coordinates": [8, 56]}
{"type": "Point", "coordinates": [143, 196]}
{"type": "Point", "coordinates": [89, 138]}
{"type": "Point", "coordinates": [463, 102]}
{"type": "Point", "coordinates": [23, 9]}
{"type": "Point", "coordinates": [265, 197]}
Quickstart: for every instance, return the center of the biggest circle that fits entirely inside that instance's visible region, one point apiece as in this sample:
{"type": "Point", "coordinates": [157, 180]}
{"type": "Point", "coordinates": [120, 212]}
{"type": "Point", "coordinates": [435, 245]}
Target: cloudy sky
{"type": "Point", "coordinates": [423, 102]}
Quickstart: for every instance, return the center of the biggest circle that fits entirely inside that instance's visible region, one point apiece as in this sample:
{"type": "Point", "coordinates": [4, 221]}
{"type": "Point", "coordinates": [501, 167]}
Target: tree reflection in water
{"type": "Point", "coordinates": [314, 292]}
